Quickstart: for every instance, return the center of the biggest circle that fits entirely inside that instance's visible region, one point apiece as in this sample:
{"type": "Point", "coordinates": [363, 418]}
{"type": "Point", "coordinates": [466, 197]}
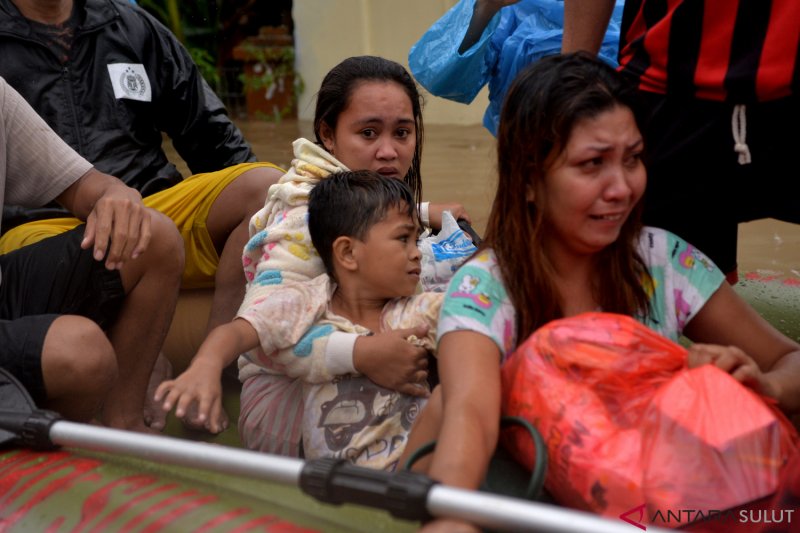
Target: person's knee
{"type": "Point", "coordinates": [77, 359]}
{"type": "Point", "coordinates": [166, 245]}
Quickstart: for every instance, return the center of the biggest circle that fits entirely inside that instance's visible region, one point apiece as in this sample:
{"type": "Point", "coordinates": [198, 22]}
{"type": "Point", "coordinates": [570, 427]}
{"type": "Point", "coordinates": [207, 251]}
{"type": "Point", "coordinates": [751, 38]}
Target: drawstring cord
{"type": "Point", "coordinates": [739, 127]}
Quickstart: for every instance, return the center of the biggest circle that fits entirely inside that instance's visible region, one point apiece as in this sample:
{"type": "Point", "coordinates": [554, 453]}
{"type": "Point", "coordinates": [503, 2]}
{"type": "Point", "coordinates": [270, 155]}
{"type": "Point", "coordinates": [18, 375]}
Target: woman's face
{"type": "Point", "coordinates": [591, 188]}
{"type": "Point", "coordinates": [376, 131]}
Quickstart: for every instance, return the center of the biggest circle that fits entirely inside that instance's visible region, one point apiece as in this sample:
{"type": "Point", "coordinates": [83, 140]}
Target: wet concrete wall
{"type": "Point", "coordinates": [328, 31]}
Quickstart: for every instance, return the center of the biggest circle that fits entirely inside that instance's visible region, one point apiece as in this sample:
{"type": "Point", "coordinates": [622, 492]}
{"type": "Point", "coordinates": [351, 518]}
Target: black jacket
{"type": "Point", "coordinates": [122, 136]}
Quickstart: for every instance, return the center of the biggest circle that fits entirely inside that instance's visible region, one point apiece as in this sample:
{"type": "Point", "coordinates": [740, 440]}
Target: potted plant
{"type": "Point", "coordinates": [270, 83]}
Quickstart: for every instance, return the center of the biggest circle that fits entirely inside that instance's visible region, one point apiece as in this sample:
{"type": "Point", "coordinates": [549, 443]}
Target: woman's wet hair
{"type": "Point", "coordinates": [341, 81]}
{"type": "Point", "coordinates": [542, 107]}
{"type": "Point", "coordinates": [348, 204]}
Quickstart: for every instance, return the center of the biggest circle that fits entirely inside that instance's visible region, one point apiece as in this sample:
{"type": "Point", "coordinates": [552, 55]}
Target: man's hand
{"type": "Point", "coordinates": [117, 222]}
{"type": "Point", "coordinates": [391, 361]}
{"type": "Point", "coordinates": [118, 225]}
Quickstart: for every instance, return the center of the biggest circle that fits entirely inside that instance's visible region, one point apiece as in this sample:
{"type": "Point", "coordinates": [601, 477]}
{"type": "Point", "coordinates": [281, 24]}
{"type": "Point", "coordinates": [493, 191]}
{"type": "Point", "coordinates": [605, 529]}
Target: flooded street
{"type": "Point", "coordinates": [458, 165]}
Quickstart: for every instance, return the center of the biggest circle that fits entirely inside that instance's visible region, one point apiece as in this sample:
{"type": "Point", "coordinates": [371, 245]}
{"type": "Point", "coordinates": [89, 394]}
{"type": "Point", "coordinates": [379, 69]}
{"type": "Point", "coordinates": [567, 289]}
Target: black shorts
{"type": "Point", "coordinates": [697, 189]}
{"type": "Point", "coordinates": [42, 281]}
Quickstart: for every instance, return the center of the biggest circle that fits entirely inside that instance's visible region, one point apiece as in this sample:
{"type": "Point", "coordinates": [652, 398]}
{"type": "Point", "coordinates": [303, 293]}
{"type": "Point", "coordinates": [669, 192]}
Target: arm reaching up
{"type": "Point", "coordinates": [585, 24]}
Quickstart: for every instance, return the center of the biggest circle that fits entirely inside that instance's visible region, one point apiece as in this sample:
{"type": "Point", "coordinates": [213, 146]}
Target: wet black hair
{"type": "Point", "coordinates": [543, 105]}
{"type": "Point", "coordinates": [348, 204]}
{"type": "Point", "coordinates": [339, 84]}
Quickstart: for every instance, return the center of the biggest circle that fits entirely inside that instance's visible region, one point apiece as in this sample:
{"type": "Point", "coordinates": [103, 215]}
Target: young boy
{"type": "Point", "coordinates": [364, 227]}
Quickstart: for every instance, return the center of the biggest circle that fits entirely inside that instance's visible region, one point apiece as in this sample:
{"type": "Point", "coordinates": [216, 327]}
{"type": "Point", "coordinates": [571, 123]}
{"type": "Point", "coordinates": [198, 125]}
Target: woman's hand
{"type": "Point", "coordinates": [736, 363]}
{"type": "Point", "coordinates": [727, 320]}
{"type": "Point", "coordinates": [435, 213]}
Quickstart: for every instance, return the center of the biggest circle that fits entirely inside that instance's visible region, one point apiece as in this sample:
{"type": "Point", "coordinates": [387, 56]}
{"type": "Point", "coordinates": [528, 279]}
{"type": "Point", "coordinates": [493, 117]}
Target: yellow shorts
{"type": "Point", "coordinates": [186, 203]}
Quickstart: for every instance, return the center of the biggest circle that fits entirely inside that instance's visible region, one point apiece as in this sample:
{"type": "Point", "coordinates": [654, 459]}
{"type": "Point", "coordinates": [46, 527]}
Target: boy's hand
{"type": "Point", "coordinates": [736, 363]}
{"type": "Point", "coordinates": [391, 361]}
{"type": "Point", "coordinates": [199, 387]}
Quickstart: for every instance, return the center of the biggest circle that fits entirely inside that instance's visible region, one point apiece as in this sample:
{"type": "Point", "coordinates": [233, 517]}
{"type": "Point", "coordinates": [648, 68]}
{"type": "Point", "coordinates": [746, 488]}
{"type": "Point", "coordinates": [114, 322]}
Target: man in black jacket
{"type": "Point", "coordinates": [83, 315]}
{"type": "Point", "coordinates": [109, 79]}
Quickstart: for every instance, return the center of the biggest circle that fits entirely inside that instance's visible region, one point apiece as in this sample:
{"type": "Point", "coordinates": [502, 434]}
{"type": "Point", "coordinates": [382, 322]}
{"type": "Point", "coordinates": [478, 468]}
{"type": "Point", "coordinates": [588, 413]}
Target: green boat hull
{"type": "Point", "coordinates": [73, 490]}
{"type": "Point", "coordinates": [776, 297]}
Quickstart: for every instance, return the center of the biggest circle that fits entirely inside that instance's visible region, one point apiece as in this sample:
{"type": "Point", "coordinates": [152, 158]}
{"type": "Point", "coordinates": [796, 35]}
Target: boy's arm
{"type": "Point", "coordinates": [398, 358]}
{"type": "Point", "coordinates": [392, 359]}
{"type": "Point", "coordinates": [200, 384]}
{"type": "Point", "coordinates": [387, 358]}
{"type": "Point", "coordinates": [287, 319]}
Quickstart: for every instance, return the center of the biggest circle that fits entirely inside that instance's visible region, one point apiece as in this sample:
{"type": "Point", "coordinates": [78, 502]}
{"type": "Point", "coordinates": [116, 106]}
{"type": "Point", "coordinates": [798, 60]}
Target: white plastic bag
{"type": "Point", "coordinates": [443, 253]}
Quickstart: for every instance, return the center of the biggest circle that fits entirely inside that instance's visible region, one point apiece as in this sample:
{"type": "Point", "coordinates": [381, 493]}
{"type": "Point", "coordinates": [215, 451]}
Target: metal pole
{"type": "Point", "coordinates": [487, 510]}
{"type": "Point", "coordinates": [285, 470]}
{"type": "Point", "coordinates": [510, 514]}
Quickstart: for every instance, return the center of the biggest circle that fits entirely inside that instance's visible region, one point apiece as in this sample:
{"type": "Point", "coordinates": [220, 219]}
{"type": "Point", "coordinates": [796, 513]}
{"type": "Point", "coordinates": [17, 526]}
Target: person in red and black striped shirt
{"type": "Point", "coordinates": [720, 79]}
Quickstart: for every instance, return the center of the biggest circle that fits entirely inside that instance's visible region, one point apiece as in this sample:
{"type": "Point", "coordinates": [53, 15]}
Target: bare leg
{"type": "Point", "coordinates": [151, 285]}
{"type": "Point", "coordinates": [79, 367]}
{"type": "Point", "coordinates": [154, 416]}
{"type": "Point", "coordinates": [227, 224]}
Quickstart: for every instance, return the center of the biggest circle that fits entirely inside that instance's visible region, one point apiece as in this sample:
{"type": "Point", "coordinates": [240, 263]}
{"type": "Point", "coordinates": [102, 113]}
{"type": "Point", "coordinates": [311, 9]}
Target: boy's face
{"type": "Point", "coordinates": [388, 258]}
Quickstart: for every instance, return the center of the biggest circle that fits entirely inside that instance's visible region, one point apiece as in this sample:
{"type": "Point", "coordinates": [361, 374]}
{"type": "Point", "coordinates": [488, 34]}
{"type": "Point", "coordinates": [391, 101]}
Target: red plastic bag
{"type": "Point", "coordinates": [626, 423]}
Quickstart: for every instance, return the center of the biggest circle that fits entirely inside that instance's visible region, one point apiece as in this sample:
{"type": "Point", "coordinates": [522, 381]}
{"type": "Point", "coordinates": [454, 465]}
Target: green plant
{"type": "Point", "coordinates": [271, 67]}
{"type": "Point", "coordinates": [196, 26]}
{"type": "Point", "coordinates": [168, 11]}
{"type": "Point", "coordinates": [199, 26]}
{"type": "Point", "coordinates": [277, 62]}
{"type": "Point", "coordinates": [206, 64]}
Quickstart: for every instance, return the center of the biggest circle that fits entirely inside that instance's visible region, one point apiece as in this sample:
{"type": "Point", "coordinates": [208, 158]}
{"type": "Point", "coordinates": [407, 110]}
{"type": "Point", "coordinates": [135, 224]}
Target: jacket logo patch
{"type": "Point", "coordinates": [130, 81]}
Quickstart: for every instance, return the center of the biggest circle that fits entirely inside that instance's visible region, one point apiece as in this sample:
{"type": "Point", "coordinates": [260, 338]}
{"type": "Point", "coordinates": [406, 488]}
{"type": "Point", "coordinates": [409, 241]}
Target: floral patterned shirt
{"type": "Point", "coordinates": [683, 281]}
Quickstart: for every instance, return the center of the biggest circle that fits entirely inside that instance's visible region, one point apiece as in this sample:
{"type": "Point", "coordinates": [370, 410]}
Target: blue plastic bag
{"type": "Point", "coordinates": [516, 36]}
